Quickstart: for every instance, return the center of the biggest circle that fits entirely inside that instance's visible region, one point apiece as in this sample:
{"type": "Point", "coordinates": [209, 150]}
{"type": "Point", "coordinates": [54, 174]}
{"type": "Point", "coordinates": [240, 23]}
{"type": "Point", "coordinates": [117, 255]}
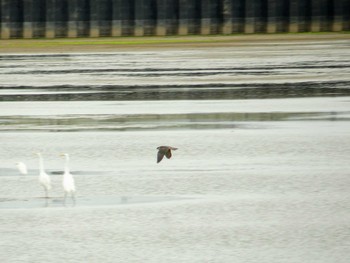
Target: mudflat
{"type": "Point", "coordinates": [113, 44]}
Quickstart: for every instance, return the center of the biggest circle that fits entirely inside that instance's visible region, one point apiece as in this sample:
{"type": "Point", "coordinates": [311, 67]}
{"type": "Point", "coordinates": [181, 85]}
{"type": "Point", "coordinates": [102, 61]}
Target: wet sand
{"type": "Point", "coordinates": [268, 192]}
{"type": "Point", "coordinates": [78, 45]}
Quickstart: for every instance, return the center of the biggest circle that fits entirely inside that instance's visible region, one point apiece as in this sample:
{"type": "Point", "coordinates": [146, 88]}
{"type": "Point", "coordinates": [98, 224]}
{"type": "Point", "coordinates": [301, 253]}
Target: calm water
{"type": "Point", "coordinates": [261, 174]}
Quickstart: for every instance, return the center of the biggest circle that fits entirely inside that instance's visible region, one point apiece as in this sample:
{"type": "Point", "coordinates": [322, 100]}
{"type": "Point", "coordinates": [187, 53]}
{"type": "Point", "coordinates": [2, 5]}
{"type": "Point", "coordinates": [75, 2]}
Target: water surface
{"type": "Point", "coordinates": [261, 174]}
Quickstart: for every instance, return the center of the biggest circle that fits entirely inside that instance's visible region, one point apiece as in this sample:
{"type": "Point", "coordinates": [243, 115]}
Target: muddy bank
{"type": "Point", "coordinates": [79, 45]}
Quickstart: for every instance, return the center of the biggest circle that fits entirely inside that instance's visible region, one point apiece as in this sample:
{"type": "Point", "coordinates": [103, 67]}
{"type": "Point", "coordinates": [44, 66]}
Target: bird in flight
{"type": "Point", "coordinates": [164, 150]}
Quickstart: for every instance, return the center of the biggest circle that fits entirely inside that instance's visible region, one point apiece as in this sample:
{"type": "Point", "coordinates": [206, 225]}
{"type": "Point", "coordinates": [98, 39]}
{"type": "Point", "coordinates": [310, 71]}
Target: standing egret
{"type": "Point", "coordinates": [44, 178]}
{"type": "Point", "coordinates": [22, 168]}
{"type": "Point", "coordinates": [164, 150]}
{"type": "Point", "coordinates": [68, 180]}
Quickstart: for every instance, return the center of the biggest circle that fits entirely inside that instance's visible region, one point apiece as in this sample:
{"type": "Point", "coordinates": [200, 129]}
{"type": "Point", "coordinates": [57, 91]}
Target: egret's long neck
{"type": "Point", "coordinates": [41, 164]}
{"type": "Point", "coordinates": [66, 166]}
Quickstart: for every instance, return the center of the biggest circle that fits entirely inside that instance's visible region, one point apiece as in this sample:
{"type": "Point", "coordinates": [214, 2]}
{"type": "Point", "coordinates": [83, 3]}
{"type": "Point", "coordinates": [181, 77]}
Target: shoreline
{"type": "Point", "coordinates": [117, 44]}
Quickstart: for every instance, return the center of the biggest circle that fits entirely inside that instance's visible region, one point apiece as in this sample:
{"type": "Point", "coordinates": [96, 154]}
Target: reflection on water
{"type": "Point", "coordinates": [261, 173]}
{"type": "Point", "coordinates": [54, 202]}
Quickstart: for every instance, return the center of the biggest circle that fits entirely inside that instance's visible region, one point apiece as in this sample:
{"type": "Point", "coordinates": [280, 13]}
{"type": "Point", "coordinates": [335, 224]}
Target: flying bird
{"type": "Point", "coordinates": [44, 178]}
{"type": "Point", "coordinates": [22, 168]}
{"type": "Point", "coordinates": [68, 180]}
{"type": "Point", "coordinates": [164, 150]}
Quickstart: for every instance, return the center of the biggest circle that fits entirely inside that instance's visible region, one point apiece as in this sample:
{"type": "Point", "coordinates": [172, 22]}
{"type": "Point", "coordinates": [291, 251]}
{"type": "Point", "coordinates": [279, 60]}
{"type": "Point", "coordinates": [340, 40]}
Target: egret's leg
{"type": "Point", "coordinates": [64, 198]}
{"type": "Point", "coordinates": [73, 198]}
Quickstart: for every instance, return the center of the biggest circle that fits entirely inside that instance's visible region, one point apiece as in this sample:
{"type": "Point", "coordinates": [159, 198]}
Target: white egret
{"type": "Point", "coordinates": [22, 168]}
{"type": "Point", "coordinates": [44, 178]}
{"type": "Point", "coordinates": [68, 180]}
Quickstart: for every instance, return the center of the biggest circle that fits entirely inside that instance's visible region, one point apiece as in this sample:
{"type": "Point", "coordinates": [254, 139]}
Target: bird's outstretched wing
{"type": "Point", "coordinates": [160, 156]}
{"type": "Point", "coordinates": [168, 154]}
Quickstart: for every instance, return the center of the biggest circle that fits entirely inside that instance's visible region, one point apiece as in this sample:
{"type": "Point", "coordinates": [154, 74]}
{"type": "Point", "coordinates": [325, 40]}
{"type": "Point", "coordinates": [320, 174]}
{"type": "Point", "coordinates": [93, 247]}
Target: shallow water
{"type": "Point", "coordinates": [261, 173]}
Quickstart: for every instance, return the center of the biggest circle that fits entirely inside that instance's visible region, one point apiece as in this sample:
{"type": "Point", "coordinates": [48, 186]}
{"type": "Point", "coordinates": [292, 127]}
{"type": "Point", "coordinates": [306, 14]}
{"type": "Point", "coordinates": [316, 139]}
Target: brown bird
{"type": "Point", "coordinates": [164, 150]}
